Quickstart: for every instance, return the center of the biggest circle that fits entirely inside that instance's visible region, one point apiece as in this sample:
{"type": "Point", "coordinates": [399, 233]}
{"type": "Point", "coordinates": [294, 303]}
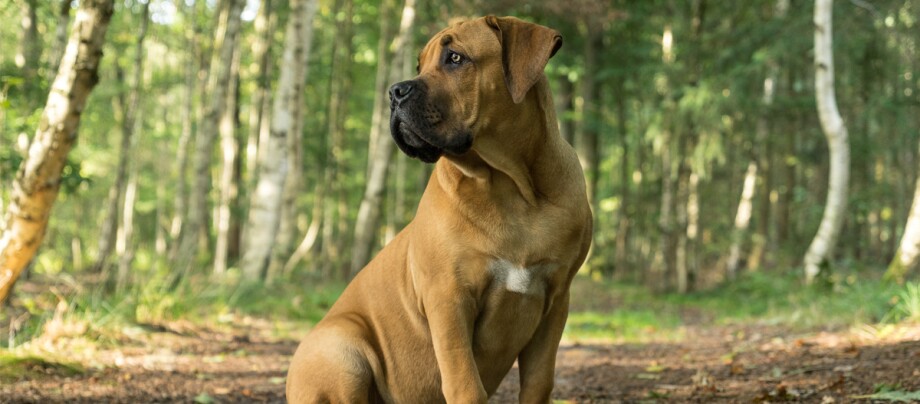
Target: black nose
{"type": "Point", "coordinates": [400, 92]}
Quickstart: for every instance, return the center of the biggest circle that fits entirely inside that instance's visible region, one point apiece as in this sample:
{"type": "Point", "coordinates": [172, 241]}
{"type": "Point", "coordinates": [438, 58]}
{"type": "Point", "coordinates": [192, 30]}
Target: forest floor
{"type": "Point", "coordinates": [245, 360]}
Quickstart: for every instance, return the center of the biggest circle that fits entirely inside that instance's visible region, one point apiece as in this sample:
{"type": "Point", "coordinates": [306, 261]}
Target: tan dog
{"type": "Point", "coordinates": [480, 278]}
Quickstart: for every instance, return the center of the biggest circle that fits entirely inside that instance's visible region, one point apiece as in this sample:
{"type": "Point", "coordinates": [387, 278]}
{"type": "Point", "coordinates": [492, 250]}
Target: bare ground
{"type": "Point", "coordinates": [711, 364]}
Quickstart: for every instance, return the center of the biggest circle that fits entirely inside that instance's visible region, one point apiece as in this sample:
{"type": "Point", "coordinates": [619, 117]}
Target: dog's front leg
{"type": "Point", "coordinates": [450, 319]}
{"type": "Point", "coordinates": [538, 359]}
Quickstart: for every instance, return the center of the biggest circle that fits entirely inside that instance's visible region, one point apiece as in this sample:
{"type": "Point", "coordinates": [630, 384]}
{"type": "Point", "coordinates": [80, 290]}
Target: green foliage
{"type": "Point", "coordinates": [907, 304]}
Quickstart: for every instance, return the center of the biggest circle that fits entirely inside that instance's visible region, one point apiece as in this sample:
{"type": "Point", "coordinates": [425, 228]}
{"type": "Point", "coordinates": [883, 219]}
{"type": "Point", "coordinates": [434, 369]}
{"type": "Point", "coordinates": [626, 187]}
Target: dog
{"type": "Point", "coordinates": [480, 277]}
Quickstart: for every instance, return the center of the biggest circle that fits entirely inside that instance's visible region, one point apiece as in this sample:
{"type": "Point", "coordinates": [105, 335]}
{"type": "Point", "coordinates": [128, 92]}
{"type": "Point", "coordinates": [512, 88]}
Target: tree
{"type": "Point", "coordinates": [287, 119]}
{"type": "Point", "coordinates": [29, 51]}
{"type": "Point", "coordinates": [128, 109]}
{"type": "Point", "coordinates": [822, 246]}
{"type": "Point", "coordinates": [334, 208]}
{"type": "Point", "coordinates": [37, 182]}
{"type": "Point", "coordinates": [908, 254]}
{"type": "Point", "coordinates": [382, 149]}
{"type": "Point", "coordinates": [195, 237]}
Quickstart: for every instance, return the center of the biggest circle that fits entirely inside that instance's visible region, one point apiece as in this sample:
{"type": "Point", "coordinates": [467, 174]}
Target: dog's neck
{"type": "Point", "coordinates": [513, 150]}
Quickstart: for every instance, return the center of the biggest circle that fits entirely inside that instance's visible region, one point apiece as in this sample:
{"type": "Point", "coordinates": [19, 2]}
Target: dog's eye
{"type": "Point", "coordinates": [454, 58]}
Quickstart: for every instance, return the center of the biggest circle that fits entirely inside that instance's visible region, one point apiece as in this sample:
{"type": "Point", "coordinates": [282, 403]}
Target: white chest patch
{"type": "Point", "coordinates": [514, 278]}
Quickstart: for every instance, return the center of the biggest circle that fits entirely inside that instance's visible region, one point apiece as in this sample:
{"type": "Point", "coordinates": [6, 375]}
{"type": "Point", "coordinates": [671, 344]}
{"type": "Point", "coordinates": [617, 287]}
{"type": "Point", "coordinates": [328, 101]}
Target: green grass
{"type": "Point", "coordinates": [628, 312]}
{"type": "Point", "coordinates": [290, 307]}
{"type": "Point", "coordinates": [18, 367]}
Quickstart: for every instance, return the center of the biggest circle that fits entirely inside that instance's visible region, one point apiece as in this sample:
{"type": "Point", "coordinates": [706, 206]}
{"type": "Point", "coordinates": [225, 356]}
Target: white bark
{"type": "Point", "coordinates": [382, 146]}
{"type": "Point", "coordinates": [835, 131]}
{"type": "Point", "coordinates": [228, 189]}
{"type": "Point", "coordinates": [261, 57]}
{"type": "Point", "coordinates": [908, 254]}
{"type": "Point", "coordinates": [196, 238]}
{"type": "Point", "coordinates": [38, 180]}
{"type": "Point", "coordinates": [742, 219]}
{"type": "Point", "coordinates": [287, 115]}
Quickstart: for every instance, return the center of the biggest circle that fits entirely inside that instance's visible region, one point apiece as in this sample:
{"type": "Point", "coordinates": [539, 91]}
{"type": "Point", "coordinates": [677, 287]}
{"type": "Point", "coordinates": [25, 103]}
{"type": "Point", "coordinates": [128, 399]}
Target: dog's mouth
{"type": "Point", "coordinates": [412, 141]}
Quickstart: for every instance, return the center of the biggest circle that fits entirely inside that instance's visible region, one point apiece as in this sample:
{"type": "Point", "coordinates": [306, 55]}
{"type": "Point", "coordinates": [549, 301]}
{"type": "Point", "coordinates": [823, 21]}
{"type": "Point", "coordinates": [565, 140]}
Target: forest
{"type": "Point", "coordinates": [188, 185]}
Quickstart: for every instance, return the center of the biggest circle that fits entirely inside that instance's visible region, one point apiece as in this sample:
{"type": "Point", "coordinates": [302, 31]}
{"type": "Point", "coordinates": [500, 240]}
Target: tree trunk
{"type": "Point", "coordinates": [742, 220]}
{"type": "Point", "coordinates": [195, 240]}
{"type": "Point", "coordinates": [60, 35]}
{"type": "Point", "coordinates": [123, 246]}
{"type": "Point", "coordinates": [180, 203]}
{"type": "Point", "coordinates": [261, 59]}
{"type": "Point", "coordinates": [664, 262]}
{"type": "Point", "coordinates": [906, 257]}
{"type": "Point", "coordinates": [287, 116]}
{"type": "Point", "coordinates": [821, 248]}
{"type": "Point", "coordinates": [384, 59]}
{"type": "Point", "coordinates": [128, 111]}
{"type": "Point", "coordinates": [369, 211]}
{"type": "Point", "coordinates": [37, 182]}
{"type": "Point", "coordinates": [623, 213]}
{"type": "Point", "coordinates": [340, 88]}
{"type": "Point", "coordinates": [228, 186]}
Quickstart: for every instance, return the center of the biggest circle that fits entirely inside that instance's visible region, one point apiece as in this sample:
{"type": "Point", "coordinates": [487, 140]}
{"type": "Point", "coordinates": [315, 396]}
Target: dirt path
{"type": "Point", "coordinates": [724, 364]}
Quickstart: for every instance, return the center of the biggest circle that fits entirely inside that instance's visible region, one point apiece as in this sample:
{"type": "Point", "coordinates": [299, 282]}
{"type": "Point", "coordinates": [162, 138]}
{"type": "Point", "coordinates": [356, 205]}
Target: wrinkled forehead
{"type": "Point", "coordinates": [469, 37]}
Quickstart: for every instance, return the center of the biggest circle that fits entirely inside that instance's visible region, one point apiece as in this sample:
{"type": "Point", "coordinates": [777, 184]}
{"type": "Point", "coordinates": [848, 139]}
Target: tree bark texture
{"type": "Point", "coordinates": [287, 115]}
{"type": "Point", "coordinates": [228, 189]}
{"type": "Point", "coordinates": [195, 240]}
{"type": "Point", "coordinates": [822, 246]}
{"type": "Point", "coordinates": [37, 182]}
{"type": "Point", "coordinates": [261, 57]}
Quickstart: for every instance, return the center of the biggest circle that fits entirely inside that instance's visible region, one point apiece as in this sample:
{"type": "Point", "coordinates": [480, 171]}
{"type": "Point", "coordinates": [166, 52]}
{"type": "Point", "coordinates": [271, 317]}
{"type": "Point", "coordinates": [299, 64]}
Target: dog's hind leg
{"type": "Point", "coordinates": [332, 366]}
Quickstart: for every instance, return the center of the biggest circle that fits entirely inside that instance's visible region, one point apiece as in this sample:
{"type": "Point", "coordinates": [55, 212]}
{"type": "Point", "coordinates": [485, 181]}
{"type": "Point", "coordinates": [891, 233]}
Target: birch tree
{"type": "Point", "coordinates": [180, 201]}
{"type": "Point", "coordinates": [195, 237]}
{"type": "Point", "coordinates": [260, 100]}
{"type": "Point", "coordinates": [287, 116]}
{"type": "Point", "coordinates": [228, 189]}
{"type": "Point", "coordinates": [906, 258]}
{"type": "Point", "coordinates": [127, 107]}
{"type": "Point", "coordinates": [37, 182]}
{"type": "Point", "coordinates": [370, 208]}
{"type": "Point", "coordinates": [822, 246]}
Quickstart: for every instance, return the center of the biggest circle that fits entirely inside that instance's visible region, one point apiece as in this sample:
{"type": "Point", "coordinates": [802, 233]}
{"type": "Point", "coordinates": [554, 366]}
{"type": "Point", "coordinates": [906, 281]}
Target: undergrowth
{"type": "Point", "coordinates": [631, 313]}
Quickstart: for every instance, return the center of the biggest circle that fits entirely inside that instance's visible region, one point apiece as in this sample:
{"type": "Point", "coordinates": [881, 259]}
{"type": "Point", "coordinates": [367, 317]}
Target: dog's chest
{"type": "Point", "coordinates": [529, 280]}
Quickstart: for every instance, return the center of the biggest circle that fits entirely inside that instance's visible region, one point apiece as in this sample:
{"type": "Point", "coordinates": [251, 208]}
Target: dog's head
{"type": "Point", "coordinates": [488, 62]}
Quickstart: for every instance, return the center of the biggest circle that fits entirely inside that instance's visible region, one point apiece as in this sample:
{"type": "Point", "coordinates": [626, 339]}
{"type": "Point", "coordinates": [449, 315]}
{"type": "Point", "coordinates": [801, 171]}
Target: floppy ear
{"type": "Point", "coordinates": [526, 48]}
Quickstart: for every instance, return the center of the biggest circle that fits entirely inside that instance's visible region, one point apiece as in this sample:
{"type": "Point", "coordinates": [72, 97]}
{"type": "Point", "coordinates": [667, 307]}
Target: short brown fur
{"type": "Point", "coordinates": [480, 278]}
